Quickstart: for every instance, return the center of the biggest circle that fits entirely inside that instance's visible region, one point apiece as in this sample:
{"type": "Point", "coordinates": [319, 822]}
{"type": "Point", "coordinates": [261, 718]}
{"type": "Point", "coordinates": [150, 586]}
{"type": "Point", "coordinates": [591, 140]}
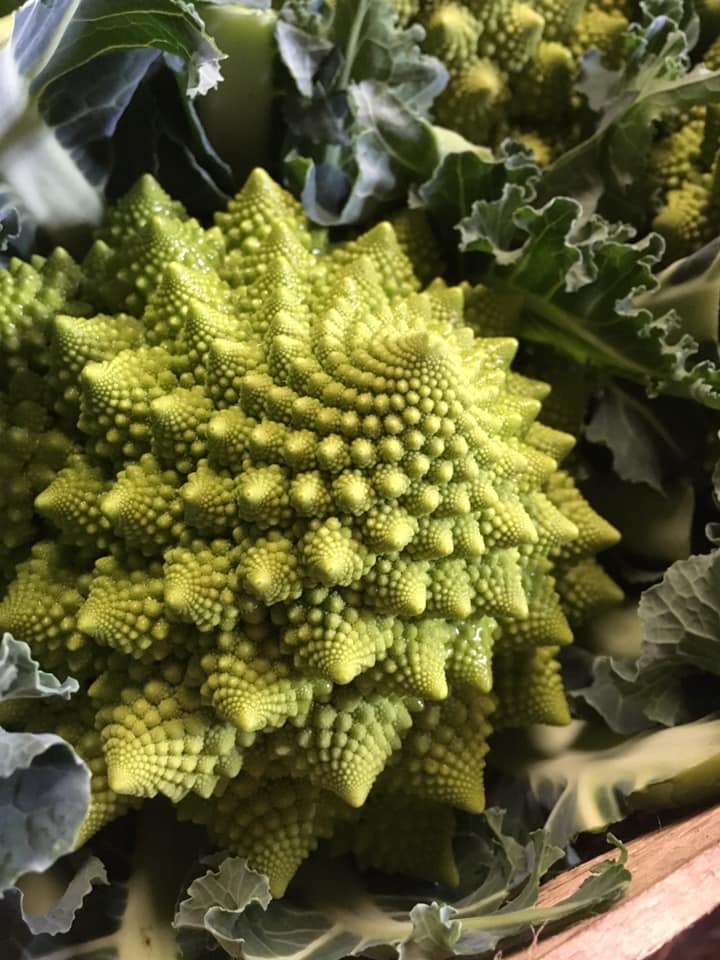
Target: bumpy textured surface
{"type": "Point", "coordinates": [32, 450]}
{"type": "Point", "coordinates": [685, 164]}
{"type": "Point", "coordinates": [512, 64]}
{"type": "Point", "coordinates": [303, 535]}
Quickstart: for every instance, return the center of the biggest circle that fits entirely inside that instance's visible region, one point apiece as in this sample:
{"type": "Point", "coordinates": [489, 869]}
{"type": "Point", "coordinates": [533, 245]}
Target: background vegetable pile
{"type": "Point", "coordinates": [292, 533]}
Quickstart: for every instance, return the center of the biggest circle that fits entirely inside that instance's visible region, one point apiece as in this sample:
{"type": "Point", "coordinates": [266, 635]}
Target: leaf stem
{"type": "Point", "coordinates": [571, 324]}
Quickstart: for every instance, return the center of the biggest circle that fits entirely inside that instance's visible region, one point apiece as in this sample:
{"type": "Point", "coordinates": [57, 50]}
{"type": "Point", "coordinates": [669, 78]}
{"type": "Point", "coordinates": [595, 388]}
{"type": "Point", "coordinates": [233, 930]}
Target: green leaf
{"type": "Point", "coordinates": [606, 884]}
{"type": "Point", "coordinates": [466, 176]}
{"type": "Point", "coordinates": [67, 76]}
{"type": "Point", "coordinates": [60, 917]}
{"type": "Point", "coordinates": [629, 703]}
{"type": "Point", "coordinates": [579, 279]}
{"type": "Point", "coordinates": [691, 287]}
{"type": "Point", "coordinates": [9, 219]}
{"type": "Point", "coordinates": [608, 168]}
{"type": "Point", "coordinates": [44, 796]}
{"type": "Point", "coordinates": [44, 785]}
{"type": "Point", "coordinates": [682, 614]}
{"type": "Point", "coordinates": [632, 434]}
{"type": "Point", "coordinates": [340, 916]}
{"type": "Point", "coordinates": [356, 106]}
{"type": "Point", "coordinates": [675, 678]}
{"type": "Point", "coordinates": [56, 41]}
{"type": "Point", "coordinates": [21, 677]}
{"type": "Point", "coordinates": [435, 932]}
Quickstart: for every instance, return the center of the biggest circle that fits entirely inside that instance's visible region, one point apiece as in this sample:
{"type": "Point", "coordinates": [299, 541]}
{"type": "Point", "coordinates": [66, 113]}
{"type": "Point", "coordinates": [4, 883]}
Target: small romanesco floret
{"type": "Point", "coordinates": [304, 537]}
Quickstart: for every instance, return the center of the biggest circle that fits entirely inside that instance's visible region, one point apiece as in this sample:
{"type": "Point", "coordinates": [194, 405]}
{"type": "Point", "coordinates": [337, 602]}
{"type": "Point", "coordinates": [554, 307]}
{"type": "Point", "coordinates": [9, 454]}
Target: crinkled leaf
{"type": "Point", "coordinates": [340, 916]}
{"type": "Point", "coordinates": [675, 677]}
{"type": "Point", "coordinates": [464, 177]}
{"type": "Point", "coordinates": [9, 219]}
{"type": "Point", "coordinates": [579, 278]}
{"type": "Point", "coordinates": [67, 76]}
{"type": "Point", "coordinates": [435, 932]}
{"type": "Point", "coordinates": [653, 80]}
{"type": "Point", "coordinates": [629, 702]}
{"type": "Point", "coordinates": [44, 797]}
{"type": "Point", "coordinates": [52, 40]}
{"type": "Point", "coordinates": [303, 53]}
{"type": "Point", "coordinates": [393, 138]}
{"type": "Point", "coordinates": [691, 287]}
{"type": "Point", "coordinates": [356, 106]}
{"type": "Point", "coordinates": [60, 918]}
{"type": "Point", "coordinates": [44, 785]}
{"type": "Point", "coordinates": [682, 614]}
{"type": "Point", "coordinates": [213, 903]}
{"type": "Point", "coordinates": [21, 676]}
{"type": "Point", "coordinates": [601, 889]}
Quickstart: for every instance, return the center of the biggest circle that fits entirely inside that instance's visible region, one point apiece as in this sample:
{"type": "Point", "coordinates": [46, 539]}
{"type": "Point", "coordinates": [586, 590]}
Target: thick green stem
{"type": "Point", "coordinates": [237, 115]}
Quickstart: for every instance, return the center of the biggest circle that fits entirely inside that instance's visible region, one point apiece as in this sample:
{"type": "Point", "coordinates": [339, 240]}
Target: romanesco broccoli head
{"type": "Point", "coordinates": [512, 64]}
{"type": "Point", "coordinates": [296, 529]}
{"type": "Point", "coordinates": [685, 164]}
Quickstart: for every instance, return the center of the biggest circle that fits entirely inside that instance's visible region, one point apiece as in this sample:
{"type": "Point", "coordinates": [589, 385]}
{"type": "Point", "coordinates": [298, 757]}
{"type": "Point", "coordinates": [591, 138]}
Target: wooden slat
{"type": "Point", "coordinates": [676, 882]}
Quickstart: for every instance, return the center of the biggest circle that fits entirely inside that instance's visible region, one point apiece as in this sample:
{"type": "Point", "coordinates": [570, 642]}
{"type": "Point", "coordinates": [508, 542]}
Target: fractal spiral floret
{"type": "Point", "coordinates": [296, 530]}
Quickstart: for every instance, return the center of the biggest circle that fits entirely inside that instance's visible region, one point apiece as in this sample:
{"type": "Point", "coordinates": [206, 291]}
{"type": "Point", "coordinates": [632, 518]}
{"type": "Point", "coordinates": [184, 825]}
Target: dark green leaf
{"type": "Point", "coordinates": [632, 435]}
{"type": "Point", "coordinates": [608, 168]}
{"type": "Point", "coordinates": [44, 796]}
{"type": "Point", "coordinates": [682, 614]}
{"type": "Point", "coordinates": [44, 785]}
{"type": "Point", "coordinates": [356, 107]}
{"type": "Point", "coordinates": [52, 40]}
{"type": "Point", "coordinates": [675, 678]}
{"type": "Point", "coordinates": [579, 278]}
{"type": "Point", "coordinates": [67, 76]}
{"type": "Point", "coordinates": [60, 918]}
{"type": "Point", "coordinates": [466, 177]}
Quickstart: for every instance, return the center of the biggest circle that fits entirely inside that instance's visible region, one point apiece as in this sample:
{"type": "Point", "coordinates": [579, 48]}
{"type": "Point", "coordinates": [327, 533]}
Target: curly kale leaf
{"type": "Point", "coordinates": [59, 918]}
{"type": "Point", "coordinates": [356, 106]}
{"type": "Point", "coordinates": [606, 170]}
{"type": "Point", "coordinates": [496, 902]}
{"type": "Point", "coordinates": [44, 785]}
{"type": "Point", "coordinates": [579, 279]}
{"type": "Point", "coordinates": [44, 796]}
{"type": "Point", "coordinates": [21, 677]}
{"type": "Point", "coordinates": [9, 220]}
